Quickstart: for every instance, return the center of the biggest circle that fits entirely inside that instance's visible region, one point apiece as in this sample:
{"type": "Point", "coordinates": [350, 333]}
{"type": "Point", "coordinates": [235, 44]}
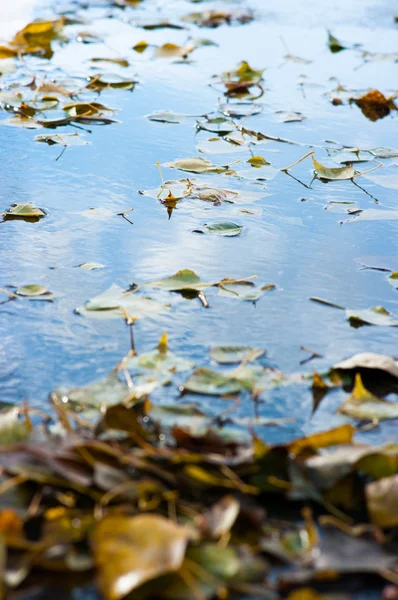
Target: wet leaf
{"type": "Point", "coordinates": [372, 316]}
{"type": "Point", "coordinates": [24, 211]}
{"type": "Point", "coordinates": [289, 117]}
{"type": "Point", "coordinates": [64, 139]}
{"type": "Point", "coordinates": [75, 109]}
{"type": "Point", "coordinates": [334, 44]}
{"type": "Point", "coordinates": [109, 391]}
{"type": "Point", "coordinates": [235, 354]}
{"type": "Point", "coordinates": [333, 174]}
{"type": "Point", "coordinates": [174, 51]}
{"type": "Point", "coordinates": [258, 161]}
{"type": "Point", "coordinates": [180, 281]}
{"type": "Point", "coordinates": [215, 18]}
{"type": "Point", "coordinates": [140, 47]}
{"type": "Point", "coordinates": [160, 359]}
{"type": "Point", "coordinates": [243, 74]}
{"type": "Point", "coordinates": [381, 499]}
{"type": "Point", "coordinates": [101, 82]}
{"type": "Point", "coordinates": [166, 116]}
{"type": "Point", "coordinates": [153, 25]}
{"type": "Point", "coordinates": [374, 105]}
{"type": "Point", "coordinates": [363, 405]}
{"type": "Point", "coordinates": [222, 228]}
{"type": "Point", "coordinates": [35, 291]}
{"type": "Point", "coordinates": [90, 266]}
{"type": "Point", "coordinates": [121, 62]}
{"type": "Point", "coordinates": [12, 429]}
{"type": "Point", "coordinates": [379, 363]}
{"type": "Point", "coordinates": [196, 165]}
{"type": "Point", "coordinates": [207, 382]}
{"type": "Point", "coordinates": [242, 290]}
{"type": "Point", "coordinates": [37, 36]}
{"type": "Point", "coordinates": [393, 279]}
{"type": "Point", "coordinates": [116, 303]}
{"type": "Point", "coordinates": [126, 556]}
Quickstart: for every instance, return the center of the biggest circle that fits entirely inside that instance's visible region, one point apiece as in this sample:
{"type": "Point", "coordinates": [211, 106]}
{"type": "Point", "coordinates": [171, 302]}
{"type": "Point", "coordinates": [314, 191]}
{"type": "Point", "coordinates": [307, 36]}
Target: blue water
{"type": "Point", "coordinates": [294, 243]}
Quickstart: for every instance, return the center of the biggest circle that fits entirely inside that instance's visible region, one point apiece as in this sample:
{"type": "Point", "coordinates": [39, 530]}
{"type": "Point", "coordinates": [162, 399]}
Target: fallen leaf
{"type": "Point", "coordinates": [381, 500]}
{"type": "Point", "coordinates": [126, 556]}
{"type": "Point", "coordinates": [90, 266]}
{"type": "Point", "coordinates": [115, 302]}
{"type": "Point", "coordinates": [117, 61]}
{"type": "Point", "coordinates": [374, 105]}
{"type": "Point", "coordinates": [160, 359]}
{"type": "Point", "coordinates": [334, 44]}
{"type": "Point", "coordinates": [24, 211]}
{"type": "Point", "coordinates": [34, 291]}
{"type": "Point", "coordinates": [333, 174]}
{"type": "Point", "coordinates": [174, 51]}
{"type": "Point", "coordinates": [222, 228]}
{"type": "Point", "coordinates": [64, 139]}
{"type": "Point", "coordinates": [363, 405]}
{"type": "Point", "coordinates": [235, 354]}
{"type": "Point", "coordinates": [372, 316]}
{"type": "Point", "coordinates": [196, 165]}
{"type": "Point", "coordinates": [166, 116]}
{"type": "Point", "coordinates": [215, 18]}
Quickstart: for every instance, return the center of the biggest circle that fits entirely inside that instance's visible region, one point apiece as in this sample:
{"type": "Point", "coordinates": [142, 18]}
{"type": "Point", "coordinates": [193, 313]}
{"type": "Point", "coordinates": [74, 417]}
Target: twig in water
{"type": "Point", "coordinates": [298, 161]}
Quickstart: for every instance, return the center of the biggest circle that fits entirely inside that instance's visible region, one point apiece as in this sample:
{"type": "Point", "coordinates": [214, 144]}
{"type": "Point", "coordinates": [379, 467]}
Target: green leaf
{"type": "Point", "coordinates": [166, 116]}
{"type": "Point", "coordinates": [235, 354]}
{"type": "Point", "coordinates": [114, 302]}
{"type": "Point", "coordinates": [97, 395]}
{"type": "Point", "coordinates": [180, 281]}
{"type": "Point", "coordinates": [12, 429]}
{"type": "Point", "coordinates": [393, 279]}
{"type": "Point", "coordinates": [222, 228]}
{"type": "Point", "coordinates": [129, 551]}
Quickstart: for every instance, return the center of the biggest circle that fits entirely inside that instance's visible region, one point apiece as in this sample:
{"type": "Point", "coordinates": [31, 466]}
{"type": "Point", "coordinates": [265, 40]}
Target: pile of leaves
{"type": "Point", "coordinates": [168, 502]}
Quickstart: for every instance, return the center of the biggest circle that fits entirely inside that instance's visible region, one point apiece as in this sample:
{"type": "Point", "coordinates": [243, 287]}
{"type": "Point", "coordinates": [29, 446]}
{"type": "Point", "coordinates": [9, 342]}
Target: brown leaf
{"type": "Point", "coordinates": [382, 501]}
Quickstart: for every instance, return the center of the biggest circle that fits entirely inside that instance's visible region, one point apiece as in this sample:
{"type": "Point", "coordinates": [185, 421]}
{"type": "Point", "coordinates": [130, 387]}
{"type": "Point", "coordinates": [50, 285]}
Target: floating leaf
{"type": "Point", "coordinates": [153, 25]}
{"type": "Point", "coordinates": [166, 116]}
{"type": "Point", "coordinates": [184, 280]}
{"type": "Point", "coordinates": [333, 174]}
{"type": "Point", "coordinates": [91, 266]}
{"type": "Point", "coordinates": [174, 51]}
{"type": "Point", "coordinates": [393, 279]}
{"type": "Point", "coordinates": [109, 391]}
{"type": "Point", "coordinates": [334, 44]}
{"type": "Point", "coordinates": [34, 291]}
{"type": "Point", "coordinates": [369, 361]}
{"type": "Point", "coordinates": [37, 36]}
{"type": "Point", "coordinates": [363, 405]}
{"type": "Point", "coordinates": [75, 109]}
{"type": "Point", "coordinates": [115, 303]}
{"type": "Point", "coordinates": [126, 556]}
{"type": "Point", "coordinates": [242, 290]}
{"type": "Point", "coordinates": [196, 165]}
{"type": "Point", "coordinates": [372, 316]}
{"type": "Point", "coordinates": [374, 105]}
{"type": "Point", "coordinates": [235, 354]}
{"type": "Point", "coordinates": [215, 18]}
{"type": "Point", "coordinates": [289, 117]}
{"type": "Point", "coordinates": [64, 139]}
{"type": "Point", "coordinates": [140, 47]}
{"type": "Point", "coordinates": [222, 228]}
{"type": "Point", "coordinates": [24, 211]}
{"type": "Point", "coordinates": [99, 82]}
{"type": "Point", "coordinates": [207, 382]}
{"type": "Point", "coordinates": [12, 429]}
{"type": "Point", "coordinates": [258, 161]}
{"type": "Point", "coordinates": [240, 109]}
{"type": "Point", "coordinates": [117, 61]}
{"type": "Point", "coordinates": [160, 359]}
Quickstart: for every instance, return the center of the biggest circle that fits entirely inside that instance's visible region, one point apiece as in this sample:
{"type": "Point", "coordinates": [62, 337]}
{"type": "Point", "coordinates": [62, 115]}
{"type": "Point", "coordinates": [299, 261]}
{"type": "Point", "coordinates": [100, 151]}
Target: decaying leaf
{"type": "Point", "coordinates": [34, 291]}
{"type": "Point", "coordinates": [381, 498]}
{"type": "Point", "coordinates": [372, 316]}
{"type": "Point", "coordinates": [64, 139]}
{"type": "Point", "coordinates": [37, 36]}
{"type": "Point", "coordinates": [374, 105]}
{"type": "Point", "coordinates": [333, 174]}
{"type": "Point", "coordinates": [334, 44]}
